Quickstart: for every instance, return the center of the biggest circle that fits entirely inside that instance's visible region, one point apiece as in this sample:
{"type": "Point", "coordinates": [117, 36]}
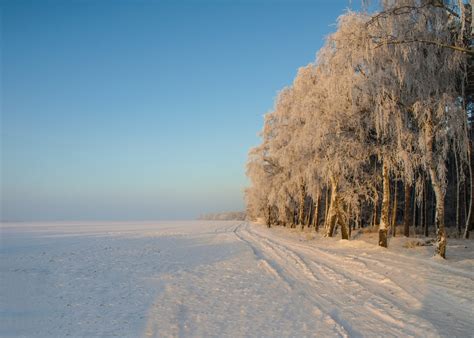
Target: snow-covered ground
{"type": "Point", "coordinates": [226, 279]}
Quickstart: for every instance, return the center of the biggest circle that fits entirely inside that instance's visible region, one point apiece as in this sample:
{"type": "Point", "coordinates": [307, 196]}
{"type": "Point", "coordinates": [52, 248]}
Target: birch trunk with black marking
{"type": "Point", "coordinates": [333, 209]}
{"type": "Point", "coordinates": [438, 191]}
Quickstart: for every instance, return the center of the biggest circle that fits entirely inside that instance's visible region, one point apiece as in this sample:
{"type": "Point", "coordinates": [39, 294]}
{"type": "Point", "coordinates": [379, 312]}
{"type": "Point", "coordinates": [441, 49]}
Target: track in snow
{"type": "Point", "coordinates": [343, 299]}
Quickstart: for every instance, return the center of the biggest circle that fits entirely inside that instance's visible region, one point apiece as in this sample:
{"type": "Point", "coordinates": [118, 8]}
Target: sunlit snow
{"type": "Point", "coordinates": [225, 278]}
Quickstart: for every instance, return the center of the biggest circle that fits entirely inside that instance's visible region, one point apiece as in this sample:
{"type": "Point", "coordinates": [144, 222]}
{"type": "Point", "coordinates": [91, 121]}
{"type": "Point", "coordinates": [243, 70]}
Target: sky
{"type": "Point", "coordinates": [142, 110]}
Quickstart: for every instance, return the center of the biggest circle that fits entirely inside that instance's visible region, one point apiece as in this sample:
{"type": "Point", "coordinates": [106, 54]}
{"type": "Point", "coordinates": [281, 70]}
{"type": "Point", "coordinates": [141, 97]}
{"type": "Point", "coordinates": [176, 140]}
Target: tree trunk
{"type": "Point", "coordinates": [293, 217]}
{"type": "Point", "coordinates": [326, 208]}
{"type": "Point", "coordinates": [301, 204]}
{"type": "Point", "coordinates": [465, 201]}
{"type": "Point", "coordinates": [407, 212]}
{"type": "Point", "coordinates": [333, 207]}
{"type": "Point", "coordinates": [374, 215]}
{"type": "Point", "coordinates": [287, 216]}
{"type": "Point", "coordinates": [422, 207]}
{"type": "Point", "coordinates": [470, 217]}
{"type": "Point", "coordinates": [415, 210]}
{"type": "Point", "coordinates": [458, 185]}
{"type": "Point", "coordinates": [425, 208]}
{"type": "Point", "coordinates": [394, 210]}
{"type": "Point", "coordinates": [439, 194]}
{"type": "Point", "coordinates": [345, 227]}
{"type": "Point", "coordinates": [316, 213]}
{"type": "Point", "coordinates": [351, 225]}
{"type": "Point", "coordinates": [439, 218]}
{"type": "Point", "coordinates": [384, 221]}
{"type": "Point", "coordinates": [269, 214]}
{"type": "Point", "coordinates": [309, 214]}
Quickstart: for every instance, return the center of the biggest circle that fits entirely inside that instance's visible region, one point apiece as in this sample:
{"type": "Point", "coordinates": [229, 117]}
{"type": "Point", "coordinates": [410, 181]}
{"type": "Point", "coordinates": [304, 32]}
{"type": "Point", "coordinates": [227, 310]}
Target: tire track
{"type": "Point", "coordinates": [336, 283]}
{"type": "Point", "coordinates": [267, 264]}
{"type": "Point", "coordinates": [282, 262]}
{"type": "Point", "coordinates": [358, 272]}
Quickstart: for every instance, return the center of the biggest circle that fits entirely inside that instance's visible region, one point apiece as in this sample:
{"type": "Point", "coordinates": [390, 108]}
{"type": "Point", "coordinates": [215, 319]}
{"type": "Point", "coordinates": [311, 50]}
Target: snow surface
{"type": "Point", "coordinates": [222, 278]}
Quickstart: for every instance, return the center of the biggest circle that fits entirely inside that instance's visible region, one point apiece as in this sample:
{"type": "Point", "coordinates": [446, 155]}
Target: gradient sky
{"type": "Point", "coordinates": [119, 110]}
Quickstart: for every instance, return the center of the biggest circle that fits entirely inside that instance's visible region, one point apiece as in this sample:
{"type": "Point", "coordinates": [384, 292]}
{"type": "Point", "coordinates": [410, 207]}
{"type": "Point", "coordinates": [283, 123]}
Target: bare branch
{"type": "Point", "coordinates": [402, 10]}
{"type": "Point", "coordinates": [428, 42]}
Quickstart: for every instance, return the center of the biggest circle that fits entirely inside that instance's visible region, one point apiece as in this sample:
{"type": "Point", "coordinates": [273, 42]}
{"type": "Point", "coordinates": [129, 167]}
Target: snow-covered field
{"type": "Point", "coordinates": [225, 279]}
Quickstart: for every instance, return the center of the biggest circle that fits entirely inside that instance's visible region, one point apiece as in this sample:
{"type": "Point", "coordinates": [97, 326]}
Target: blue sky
{"type": "Point", "coordinates": [140, 110]}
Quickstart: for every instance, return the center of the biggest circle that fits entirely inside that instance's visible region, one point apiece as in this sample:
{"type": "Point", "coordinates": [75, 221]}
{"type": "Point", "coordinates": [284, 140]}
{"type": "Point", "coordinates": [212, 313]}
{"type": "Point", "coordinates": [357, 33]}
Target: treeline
{"type": "Point", "coordinates": [377, 131]}
{"type": "Point", "coordinates": [224, 216]}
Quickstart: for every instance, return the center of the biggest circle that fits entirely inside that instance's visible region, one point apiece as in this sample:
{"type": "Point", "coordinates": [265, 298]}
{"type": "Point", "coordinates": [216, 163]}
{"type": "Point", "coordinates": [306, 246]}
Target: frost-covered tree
{"type": "Point", "coordinates": [384, 99]}
{"type": "Point", "coordinates": [429, 75]}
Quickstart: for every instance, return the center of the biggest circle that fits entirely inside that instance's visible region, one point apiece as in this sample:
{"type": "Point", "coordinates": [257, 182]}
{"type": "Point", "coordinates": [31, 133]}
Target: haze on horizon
{"type": "Point", "coordinates": [142, 109]}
